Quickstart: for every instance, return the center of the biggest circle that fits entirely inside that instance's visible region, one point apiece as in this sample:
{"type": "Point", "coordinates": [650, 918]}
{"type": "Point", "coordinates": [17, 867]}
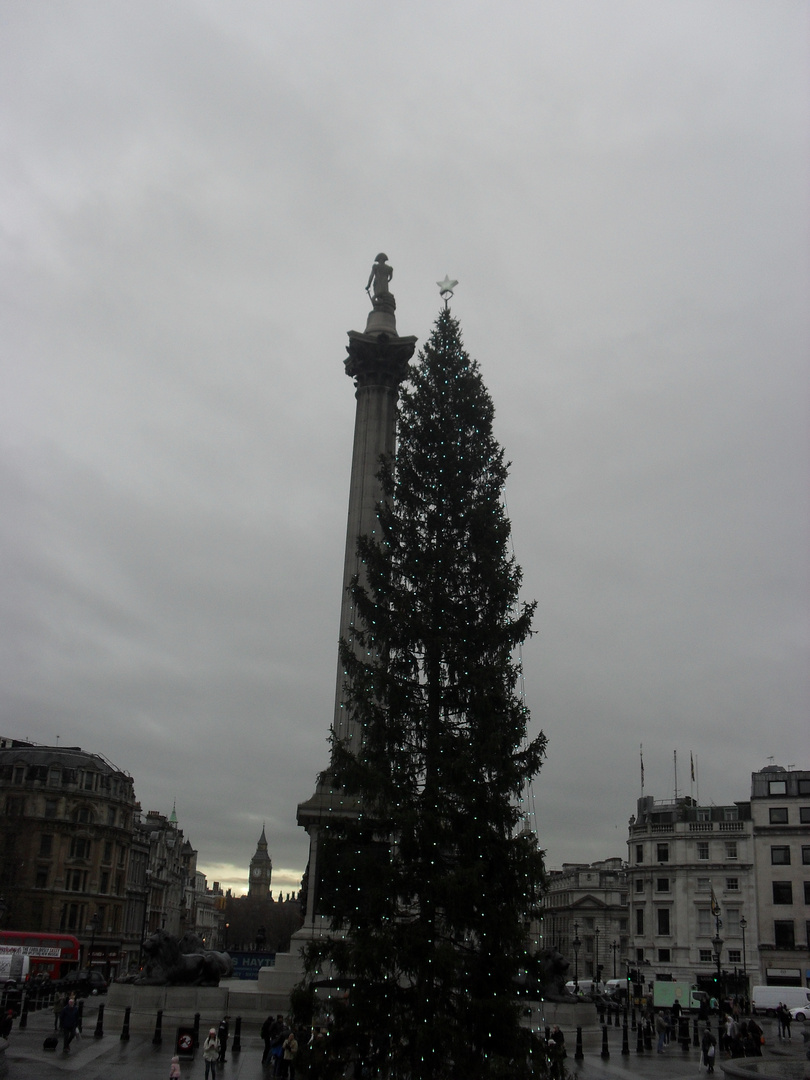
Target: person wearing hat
{"type": "Point", "coordinates": [211, 1054]}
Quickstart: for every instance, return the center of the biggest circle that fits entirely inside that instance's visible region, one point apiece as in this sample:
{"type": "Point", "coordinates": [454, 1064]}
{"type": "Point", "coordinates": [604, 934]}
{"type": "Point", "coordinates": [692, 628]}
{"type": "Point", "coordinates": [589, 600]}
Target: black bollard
{"type": "Point", "coordinates": [648, 1033]}
{"type": "Point", "coordinates": [196, 1029]}
{"type": "Point", "coordinates": [605, 1051]}
{"type": "Point", "coordinates": [157, 1038]}
{"type": "Point", "coordinates": [81, 1015]}
{"type": "Point", "coordinates": [578, 1055]}
{"type": "Point", "coordinates": [633, 1024]}
{"type": "Point", "coordinates": [695, 1034]}
{"type": "Point", "coordinates": [125, 1028]}
{"type": "Point", "coordinates": [616, 1020]}
{"type": "Point", "coordinates": [99, 1032]}
{"type": "Point", "coordinates": [23, 1021]}
{"type": "Point", "coordinates": [640, 1039]}
{"type": "Point", "coordinates": [236, 1045]}
{"type": "Point", "coordinates": [683, 1033]}
{"type": "Point", "coordinates": [625, 1040]}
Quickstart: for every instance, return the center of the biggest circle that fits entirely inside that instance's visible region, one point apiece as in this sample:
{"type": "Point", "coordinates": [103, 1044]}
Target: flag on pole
{"type": "Point", "coordinates": [715, 905]}
{"type": "Point", "coordinates": [641, 761]}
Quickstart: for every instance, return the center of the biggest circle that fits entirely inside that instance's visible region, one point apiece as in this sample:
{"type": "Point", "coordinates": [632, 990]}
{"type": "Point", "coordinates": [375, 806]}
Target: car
{"type": "Point", "coordinates": [801, 1012]}
{"type": "Point", "coordinates": [83, 983]}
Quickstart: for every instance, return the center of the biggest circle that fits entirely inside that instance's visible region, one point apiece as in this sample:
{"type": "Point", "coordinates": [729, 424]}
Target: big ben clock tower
{"type": "Point", "coordinates": [261, 870]}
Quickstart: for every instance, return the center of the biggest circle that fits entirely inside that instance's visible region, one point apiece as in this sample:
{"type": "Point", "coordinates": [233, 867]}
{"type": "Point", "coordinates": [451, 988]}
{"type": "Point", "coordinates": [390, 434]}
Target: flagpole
{"type": "Point", "coordinates": [641, 763]}
{"type": "Point", "coordinates": [675, 758]}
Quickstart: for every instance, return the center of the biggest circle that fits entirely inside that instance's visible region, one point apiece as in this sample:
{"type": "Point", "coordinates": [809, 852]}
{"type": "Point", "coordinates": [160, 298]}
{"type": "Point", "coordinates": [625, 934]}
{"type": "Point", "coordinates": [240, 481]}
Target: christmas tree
{"type": "Point", "coordinates": [431, 882]}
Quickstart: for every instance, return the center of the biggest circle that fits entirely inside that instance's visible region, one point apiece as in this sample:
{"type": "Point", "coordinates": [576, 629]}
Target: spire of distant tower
{"type": "Point", "coordinates": [173, 815]}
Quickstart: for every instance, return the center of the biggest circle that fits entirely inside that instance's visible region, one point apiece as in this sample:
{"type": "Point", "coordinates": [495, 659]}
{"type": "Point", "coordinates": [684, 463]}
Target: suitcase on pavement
{"type": "Point", "coordinates": [50, 1043]}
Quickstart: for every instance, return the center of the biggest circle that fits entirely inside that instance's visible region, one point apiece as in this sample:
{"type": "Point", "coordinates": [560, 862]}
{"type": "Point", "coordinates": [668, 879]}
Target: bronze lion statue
{"type": "Point", "coordinates": [169, 962]}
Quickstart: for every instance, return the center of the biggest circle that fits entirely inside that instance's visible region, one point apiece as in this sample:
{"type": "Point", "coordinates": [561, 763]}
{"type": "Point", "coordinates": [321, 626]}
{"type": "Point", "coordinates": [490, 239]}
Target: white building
{"type": "Point", "coordinates": [780, 811]}
{"type": "Point", "coordinates": [689, 866]}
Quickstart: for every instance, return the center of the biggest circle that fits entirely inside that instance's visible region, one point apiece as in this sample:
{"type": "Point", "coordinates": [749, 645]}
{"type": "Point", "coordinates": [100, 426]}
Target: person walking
{"type": "Point", "coordinates": [661, 1030]}
{"type": "Point", "coordinates": [68, 1022]}
{"type": "Point", "coordinates": [211, 1054]}
{"type": "Point", "coordinates": [708, 1049]}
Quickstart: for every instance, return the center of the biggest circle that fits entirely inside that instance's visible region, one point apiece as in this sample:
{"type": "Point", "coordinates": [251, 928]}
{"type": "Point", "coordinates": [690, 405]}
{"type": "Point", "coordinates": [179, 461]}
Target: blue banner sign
{"type": "Point", "coordinates": [246, 964]}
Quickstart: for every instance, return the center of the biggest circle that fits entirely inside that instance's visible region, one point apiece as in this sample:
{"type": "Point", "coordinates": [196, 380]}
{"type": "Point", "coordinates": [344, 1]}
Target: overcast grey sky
{"type": "Point", "coordinates": [192, 195]}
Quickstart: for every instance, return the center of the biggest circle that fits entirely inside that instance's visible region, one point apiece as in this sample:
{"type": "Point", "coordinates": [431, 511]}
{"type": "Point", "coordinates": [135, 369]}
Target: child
{"type": "Point", "coordinates": [174, 1071]}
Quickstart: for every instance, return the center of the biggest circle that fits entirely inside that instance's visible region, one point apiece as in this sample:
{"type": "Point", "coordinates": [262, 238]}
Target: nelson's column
{"type": "Point", "coordinates": [377, 361]}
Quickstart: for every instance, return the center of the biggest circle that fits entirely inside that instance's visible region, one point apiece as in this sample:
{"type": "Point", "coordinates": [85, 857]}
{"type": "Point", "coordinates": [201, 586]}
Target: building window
{"type": "Point", "coordinates": [732, 884]}
{"type": "Point", "coordinates": [110, 815]}
{"type": "Point", "coordinates": [51, 807]}
{"type": "Point", "coordinates": [623, 922]}
{"type": "Point", "coordinates": [79, 848]}
{"type": "Point", "coordinates": [639, 884]}
{"type": "Point", "coordinates": [88, 781]}
{"type": "Point", "coordinates": [731, 849]}
{"type": "Point", "coordinates": [72, 917]}
{"type": "Point", "coordinates": [15, 806]}
{"type": "Point", "coordinates": [731, 813]}
{"type": "Point", "coordinates": [108, 851]}
{"type": "Point", "coordinates": [780, 856]}
{"type": "Point", "coordinates": [76, 881]}
{"type": "Point", "coordinates": [777, 787]}
{"type": "Point", "coordinates": [782, 892]}
{"type": "Point", "coordinates": [703, 850]}
{"type": "Point", "coordinates": [662, 884]}
{"type": "Point", "coordinates": [778, 815]}
{"type": "Point", "coordinates": [703, 885]}
{"type": "Point", "coordinates": [705, 924]}
{"type": "Point", "coordinates": [19, 774]}
{"type": "Point", "coordinates": [805, 856]}
{"type": "Point", "coordinates": [804, 815]}
{"type": "Point", "coordinates": [733, 921]}
{"type": "Point", "coordinates": [734, 956]}
{"type": "Point", "coordinates": [804, 787]}
{"type": "Point", "coordinates": [639, 920]}
{"type": "Point", "coordinates": [623, 899]}
{"type": "Point", "coordinates": [807, 892]}
{"type": "Point", "coordinates": [45, 845]}
{"type": "Point", "coordinates": [41, 880]}
{"type": "Point", "coordinates": [663, 920]}
{"type": "Point", "coordinates": [54, 777]}
{"type": "Point", "coordinates": [783, 936]}
{"type": "Point", "coordinates": [663, 956]}
{"type": "Point", "coordinates": [705, 956]}
{"type": "Point", "coordinates": [662, 852]}
{"type": "Point", "coordinates": [639, 956]}
{"type": "Point", "coordinates": [639, 853]}
{"type": "Point", "coordinates": [704, 813]}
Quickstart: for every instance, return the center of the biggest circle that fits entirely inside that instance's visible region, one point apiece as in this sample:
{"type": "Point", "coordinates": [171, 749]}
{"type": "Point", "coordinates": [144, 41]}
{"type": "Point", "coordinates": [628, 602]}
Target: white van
{"type": "Point", "coordinates": [765, 999]}
{"type": "Point", "coordinates": [585, 987]}
{"type": "Point", "coordinates": [616, 988]}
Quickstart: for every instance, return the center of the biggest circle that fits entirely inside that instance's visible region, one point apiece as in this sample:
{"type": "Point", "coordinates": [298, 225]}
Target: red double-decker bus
{"type": "Point", "coordinates": [51, 955]}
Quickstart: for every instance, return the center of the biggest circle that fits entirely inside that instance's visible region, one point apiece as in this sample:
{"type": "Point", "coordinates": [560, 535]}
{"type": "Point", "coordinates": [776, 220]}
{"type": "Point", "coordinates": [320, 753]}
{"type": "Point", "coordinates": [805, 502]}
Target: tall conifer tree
{"type": "Point", "coordinates": [432, 880]}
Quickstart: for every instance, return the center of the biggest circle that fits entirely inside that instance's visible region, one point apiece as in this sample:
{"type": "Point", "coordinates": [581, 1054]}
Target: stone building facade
{"type": "Point", "coordinates": [65, 839]}
{"type": "Point", "coordinates": [588, 902]}
{"type": "Point", "coordinates": [780, 811]}
{"type": "Point", "coordinates": [689, 866]}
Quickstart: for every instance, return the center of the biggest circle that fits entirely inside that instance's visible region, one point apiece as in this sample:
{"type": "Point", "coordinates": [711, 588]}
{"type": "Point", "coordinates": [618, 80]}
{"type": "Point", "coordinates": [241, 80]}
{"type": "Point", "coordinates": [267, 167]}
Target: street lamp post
{"type": "Point", "coordinates": [597, 972]}
{"type": "Point", "coordinates": [92, 928]}
{"type": "Point", "coordinates": [717, 948]}
{"type": "Point", "coordinates": [614, 946]}
{"type": "Point", "coordinates": [576, 943]}
{"type": "Point", "coordinates": [743, 925]}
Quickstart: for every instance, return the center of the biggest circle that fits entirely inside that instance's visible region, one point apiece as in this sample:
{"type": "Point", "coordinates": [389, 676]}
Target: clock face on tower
{"type": "Point", "coordinates": [257, 871]}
